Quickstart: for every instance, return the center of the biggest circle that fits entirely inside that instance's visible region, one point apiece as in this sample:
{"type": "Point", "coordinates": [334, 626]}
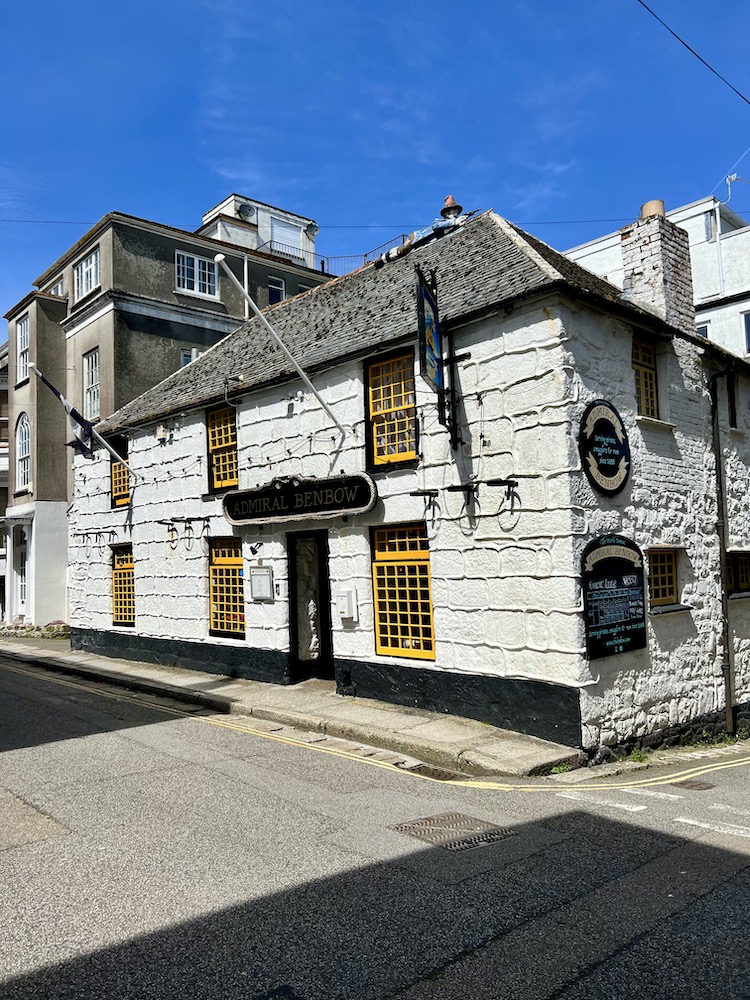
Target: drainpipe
{"type": "Point", "coordinates": [721, 530]}
{"type": "Point", "coordinates": [246, 283]}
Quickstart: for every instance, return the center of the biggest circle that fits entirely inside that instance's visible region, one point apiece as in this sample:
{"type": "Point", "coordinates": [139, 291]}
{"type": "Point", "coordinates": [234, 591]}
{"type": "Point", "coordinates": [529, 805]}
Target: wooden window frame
{"type": "Point", "coordinates": [402, 592]}
{"type": "Point", "coordinates": [22, 349]}
{"type": "Point", "coordinates": [23, 453]}
{"type": "Point", "coordinates": [91, 385]}
{"type": "Point", "coordinates": [226, 588]}
{"type": "Point", "coordinates": [738, 573]}
{"type": "Point", "coordinates": [119, 475]}
{"type": "Point", "coordinates": [87, 275]}
{"type": "Point", "coordinates": [379, 458]}
{"type": "Point", "coordinates": [194, 275]}
{"type": "Point", "coordinates": [663, 587]}
{"type": "Point", "coordinates": [221, 434]}
{"type": "Point", "coordinates": [123, 586]}
{"type": "Point", "coordinates": [646, 378]}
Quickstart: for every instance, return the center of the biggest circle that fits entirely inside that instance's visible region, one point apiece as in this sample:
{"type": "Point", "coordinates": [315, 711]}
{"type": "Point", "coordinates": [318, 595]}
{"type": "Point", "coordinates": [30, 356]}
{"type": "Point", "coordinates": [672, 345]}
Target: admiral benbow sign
{"type": "Point", "coordinates": [293, 498]}
{"type": "Point", "coordinates": [605, 451]}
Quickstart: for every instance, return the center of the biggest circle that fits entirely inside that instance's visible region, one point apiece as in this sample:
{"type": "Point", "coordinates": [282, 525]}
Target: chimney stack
{"type": "Point", "coordinates": [656, 261]}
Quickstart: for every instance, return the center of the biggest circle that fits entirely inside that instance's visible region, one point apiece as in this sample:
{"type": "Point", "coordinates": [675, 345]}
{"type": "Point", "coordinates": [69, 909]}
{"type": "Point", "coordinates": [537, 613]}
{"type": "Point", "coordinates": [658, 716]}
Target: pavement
{"type": "Point", "coordinates": [411, 737]}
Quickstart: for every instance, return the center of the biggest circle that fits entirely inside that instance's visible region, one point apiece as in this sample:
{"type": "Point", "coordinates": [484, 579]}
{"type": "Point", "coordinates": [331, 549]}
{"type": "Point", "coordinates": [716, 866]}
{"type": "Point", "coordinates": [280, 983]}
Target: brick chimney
{"type": "Point", "coordinates": [656, 260]}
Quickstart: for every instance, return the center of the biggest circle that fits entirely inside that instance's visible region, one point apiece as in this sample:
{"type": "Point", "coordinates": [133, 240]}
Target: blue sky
{"type": "Point", "coordinates": [562, 115]}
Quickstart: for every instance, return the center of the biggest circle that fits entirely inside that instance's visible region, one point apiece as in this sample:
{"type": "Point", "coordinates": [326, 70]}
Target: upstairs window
{"type": "Point", "coordinates": [662, 576]}
{"type": "Point", "coordinates": [23, 452]}
{"type": "Point", "coordinates": [746, 321]}
{"type": "Point", "coordinates": [119, 475]}
{"type": "Point", "coordinates": [402, 592]}
{"type": "Point", "coordinates": [87, 275]}
{"type": "Point", "coordinates": [222, 448]}
{"type": "Point", "coordinates": [22, 348]}
{"type": "Point", "coordinates": [392, 411]}
{"type": "Point", "coordinates": [226, 588]}
{"type": "Point", "coordinates": [123, 585]}
{"type": "Point", "coordinates": [276, 290]}
{"type": "Point", "coordinates": [197, 275]}
{"type": "Point", "coordinates": [702, 330]}
{"type": "Point", "coordinates": [644, 369]}
{"type": "Point", "coordinates": [91, 385]}
{"type": "Point", "coordinates": [58, 288]}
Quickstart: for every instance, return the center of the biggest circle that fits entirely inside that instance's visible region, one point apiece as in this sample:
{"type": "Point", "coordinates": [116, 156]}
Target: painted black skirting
{"type": "Point", "coordinates": [549, 711]}
{"type": "Point", "coordinates": [252, 664]}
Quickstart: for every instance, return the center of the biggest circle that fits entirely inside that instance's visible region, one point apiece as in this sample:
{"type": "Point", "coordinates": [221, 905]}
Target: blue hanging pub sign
{"type": "Point", "coordinates": [430, 338]}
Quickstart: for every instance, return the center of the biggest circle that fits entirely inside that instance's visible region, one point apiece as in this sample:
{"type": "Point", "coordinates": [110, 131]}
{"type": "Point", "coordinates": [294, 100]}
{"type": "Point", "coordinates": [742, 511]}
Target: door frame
{"type": "Point", "coordinates": [322, 666]}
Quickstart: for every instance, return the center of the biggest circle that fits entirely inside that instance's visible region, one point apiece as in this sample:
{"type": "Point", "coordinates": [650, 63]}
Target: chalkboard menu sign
{"type": "Point", "coordinates": [613, 596]}
{"type": "Point", "coordinates": [605, 451]}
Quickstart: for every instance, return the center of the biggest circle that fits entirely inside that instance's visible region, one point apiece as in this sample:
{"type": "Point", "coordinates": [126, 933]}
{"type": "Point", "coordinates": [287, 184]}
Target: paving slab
{"type": "Point", "coordinates": [444, 741]}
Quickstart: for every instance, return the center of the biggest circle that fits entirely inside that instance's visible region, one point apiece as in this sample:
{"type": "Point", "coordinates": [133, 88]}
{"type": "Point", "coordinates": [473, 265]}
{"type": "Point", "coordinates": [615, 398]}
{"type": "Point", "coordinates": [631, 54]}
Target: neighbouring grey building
{"type": "Point", "coordinates": [128, 304]}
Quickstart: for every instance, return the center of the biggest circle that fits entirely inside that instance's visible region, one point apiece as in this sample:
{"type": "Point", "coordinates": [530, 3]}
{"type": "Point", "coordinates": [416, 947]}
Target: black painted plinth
{"type": "Point", "coordinates": [247, 662]}
{"type": "Point", "coordinates": [548, 711]}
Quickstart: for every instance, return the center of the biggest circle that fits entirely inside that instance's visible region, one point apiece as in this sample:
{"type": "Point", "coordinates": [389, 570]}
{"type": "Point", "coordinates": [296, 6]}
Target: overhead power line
{"type": "Point", "coordinates": [690, 49]}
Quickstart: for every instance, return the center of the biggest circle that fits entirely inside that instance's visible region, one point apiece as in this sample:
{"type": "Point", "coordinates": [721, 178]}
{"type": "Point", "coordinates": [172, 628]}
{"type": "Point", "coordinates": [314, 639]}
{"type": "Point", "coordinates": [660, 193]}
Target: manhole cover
{"type": "Point", "coordinates": [694, 784]}
{"type": "Point", "coordinates": [454, 831]}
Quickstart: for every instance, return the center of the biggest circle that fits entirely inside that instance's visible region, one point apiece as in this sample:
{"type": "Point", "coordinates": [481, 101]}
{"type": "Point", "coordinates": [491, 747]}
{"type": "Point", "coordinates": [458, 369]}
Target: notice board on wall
{"type": "Point", "coordinates": [614, 596]}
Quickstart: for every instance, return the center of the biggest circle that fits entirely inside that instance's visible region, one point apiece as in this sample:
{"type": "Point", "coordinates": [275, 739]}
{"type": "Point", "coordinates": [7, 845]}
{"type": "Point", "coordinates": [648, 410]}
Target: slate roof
{"type": "Point", "coordinates": [486, 263]}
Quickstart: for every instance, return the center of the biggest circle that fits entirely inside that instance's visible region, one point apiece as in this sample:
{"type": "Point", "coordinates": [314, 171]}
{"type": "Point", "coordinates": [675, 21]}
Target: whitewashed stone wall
{"type": "Point", "coordinates": [506, 571]}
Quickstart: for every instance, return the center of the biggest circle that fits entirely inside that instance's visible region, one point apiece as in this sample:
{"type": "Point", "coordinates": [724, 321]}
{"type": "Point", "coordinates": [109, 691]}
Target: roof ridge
{"type": "Point", "coordinates": [519, 238]}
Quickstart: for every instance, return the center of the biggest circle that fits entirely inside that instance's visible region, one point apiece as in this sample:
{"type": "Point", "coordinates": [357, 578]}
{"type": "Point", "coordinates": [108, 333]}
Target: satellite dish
{"type": "Point", "coordinates": [246, 211]}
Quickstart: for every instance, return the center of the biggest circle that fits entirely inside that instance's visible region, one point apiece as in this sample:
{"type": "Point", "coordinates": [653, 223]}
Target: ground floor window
{"type": "Point", "coordinates": [123, 585]}
{"type": "Point", "coordinates": [227, 588]}
{"type": "Point", "coordinates": [662, 576]}
{"type": "Point", "coordinates": [738, 573]}
{"type": "Point", "coordinates": [403, 592]}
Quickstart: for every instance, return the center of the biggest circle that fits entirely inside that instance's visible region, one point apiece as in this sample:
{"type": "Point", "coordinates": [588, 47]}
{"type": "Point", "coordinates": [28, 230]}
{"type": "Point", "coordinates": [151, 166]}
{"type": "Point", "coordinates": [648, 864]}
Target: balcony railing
{"type": "Point", "coordinates": [329, 265]}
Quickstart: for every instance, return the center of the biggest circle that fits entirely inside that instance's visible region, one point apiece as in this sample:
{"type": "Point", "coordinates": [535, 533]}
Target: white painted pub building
{"type": "Point", "coordinates": [548, 531]}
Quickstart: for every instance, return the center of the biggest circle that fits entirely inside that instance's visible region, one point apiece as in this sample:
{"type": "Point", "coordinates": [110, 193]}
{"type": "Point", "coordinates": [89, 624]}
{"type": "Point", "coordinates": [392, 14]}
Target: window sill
{"type": "Point", "coordinates": [197, 295]}
{"type": "Point", "coordinates": [218, 494]}
{"type": "Point", "coordinates": [86, 297]}
{"type": "Point", "coordinates": [739, 596]}
{"type": "Point", "coordinates": [24, 381]}
{"type": "Point", "coordinates": [27, 491]}
{"type": "Point", "coordinates": [659, 425]}
{"type": "Point", "coordinates": [385, 467]}
{"type": "Point", "coordinates": [669, 609]}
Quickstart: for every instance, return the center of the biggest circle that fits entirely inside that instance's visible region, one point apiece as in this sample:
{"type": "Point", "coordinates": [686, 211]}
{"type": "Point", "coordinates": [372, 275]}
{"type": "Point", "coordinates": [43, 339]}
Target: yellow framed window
{"type": "Point", "coordinates": [403, 592]}
{"type": "Point", "coordinates": [644, 369]}
{"type": "Point", "coordinates": [222, 448]}
{"type": "Point", "coordinates": [662, 576]}
{"type": "Point", "coordinates": [118, 474]}
{"type": "Point", "coordinates": [123, 585]}
{"type": "Point", "coordinates": [392, 410]}
{"type": "Point", "coordinates": [226, 588]}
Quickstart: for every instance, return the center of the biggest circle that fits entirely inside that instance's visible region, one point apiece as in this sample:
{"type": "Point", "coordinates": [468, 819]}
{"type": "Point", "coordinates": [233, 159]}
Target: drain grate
{"type": "Point", "coordinates": [694, 784]}
{"type": "Point", "coordinates": [454, 831]}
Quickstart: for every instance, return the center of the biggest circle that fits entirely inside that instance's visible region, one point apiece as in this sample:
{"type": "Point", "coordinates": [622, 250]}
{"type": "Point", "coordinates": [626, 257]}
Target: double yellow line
{"type": "Point", "coordinates": [592, 785]}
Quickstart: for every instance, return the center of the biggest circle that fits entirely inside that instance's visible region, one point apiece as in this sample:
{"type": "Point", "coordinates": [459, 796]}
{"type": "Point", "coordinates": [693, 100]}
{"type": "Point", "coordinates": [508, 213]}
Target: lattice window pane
{"type": "Point", "coordinates": [644, 369]}
{"type": "Point", "coordinates": [222, 448]}
{"type": "Point", "coordinates": [123, 586]}
{"type": "Point", "coordinates": [120, 484]}
{"type": "Point", "coordinates": [227, 588]}
{"type": "Point", "coordinates": [662, 576]}
{"type": "Point", "coordinates": [403, 593]}
{"type": "Point", "coordinates": [392, 410]}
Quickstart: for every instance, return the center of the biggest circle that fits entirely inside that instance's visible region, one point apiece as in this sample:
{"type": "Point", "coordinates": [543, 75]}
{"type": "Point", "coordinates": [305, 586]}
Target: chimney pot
{"type": "Point", "coordinates": [651, 208]}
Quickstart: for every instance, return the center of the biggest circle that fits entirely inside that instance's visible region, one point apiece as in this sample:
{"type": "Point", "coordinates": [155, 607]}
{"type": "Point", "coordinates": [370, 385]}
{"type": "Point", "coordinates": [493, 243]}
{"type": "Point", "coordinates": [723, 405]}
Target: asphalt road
{"type": "Point", "coordinates": [151, 851]}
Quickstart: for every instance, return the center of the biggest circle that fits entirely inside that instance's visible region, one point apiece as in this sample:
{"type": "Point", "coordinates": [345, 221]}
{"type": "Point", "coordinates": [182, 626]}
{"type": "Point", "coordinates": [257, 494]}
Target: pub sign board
{"type": "Point", "coordinates": [614, 598]}
{"type": "Point", "coordinates": [293, 498]}
{"type": "Point", "coordinates": [430, 341]}
{"type": "Point", "coordinates": [604, 446]}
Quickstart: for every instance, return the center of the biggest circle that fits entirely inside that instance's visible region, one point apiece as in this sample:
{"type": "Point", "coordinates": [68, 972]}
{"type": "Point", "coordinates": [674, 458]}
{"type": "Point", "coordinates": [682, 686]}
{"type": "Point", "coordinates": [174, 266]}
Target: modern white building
{"type": "Point", "coordinates": [556, 542]}
{"type": "Point", "coordinates": [719, 242]}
